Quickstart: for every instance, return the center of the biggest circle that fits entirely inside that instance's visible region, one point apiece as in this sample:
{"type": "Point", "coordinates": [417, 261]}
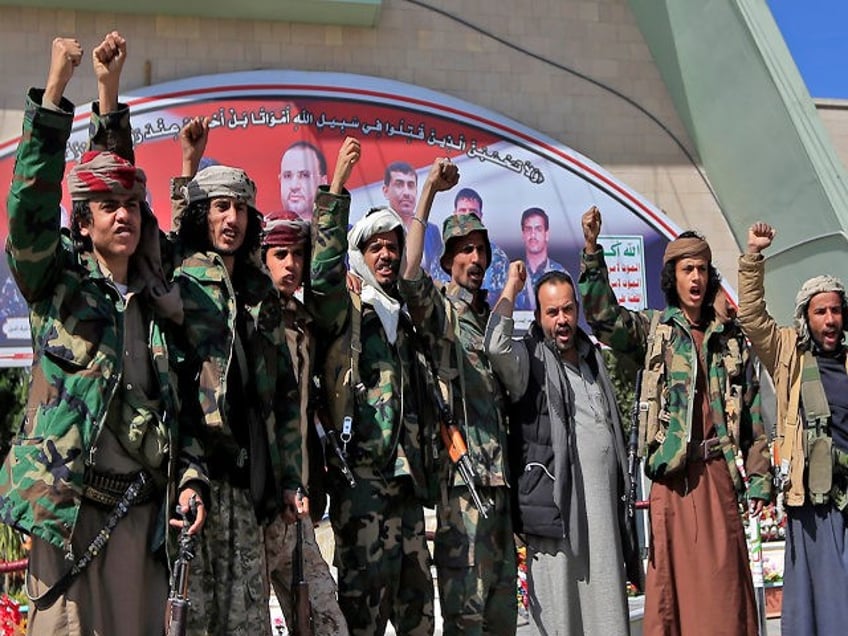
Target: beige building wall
{"type": "Point", "coordinates": [598, 39]}
{"type": "Point", "coordinates": [834, 114]}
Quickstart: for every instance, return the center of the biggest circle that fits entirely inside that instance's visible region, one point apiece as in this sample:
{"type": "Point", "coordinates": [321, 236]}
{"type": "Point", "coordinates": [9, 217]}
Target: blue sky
{"type": "Point", "coordinates": [816, 32]}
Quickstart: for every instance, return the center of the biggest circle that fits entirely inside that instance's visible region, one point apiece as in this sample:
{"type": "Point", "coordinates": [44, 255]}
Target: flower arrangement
{"type": "Point", "coordinates": [521, 589]}
{"type": "Point", "coordinates": [12, 619]}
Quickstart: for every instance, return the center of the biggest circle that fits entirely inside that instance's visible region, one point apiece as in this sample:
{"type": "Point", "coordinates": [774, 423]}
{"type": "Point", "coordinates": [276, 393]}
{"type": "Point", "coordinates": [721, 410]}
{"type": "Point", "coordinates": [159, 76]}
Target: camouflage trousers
{"type": "Point", "coordinates": [382, 556]}
{"type": "Point", "coordinates": [476, 564]}
{"type": "Point", "coordinates": [228, 586]}
{"type": "Point", "coordinates": [280, 540]}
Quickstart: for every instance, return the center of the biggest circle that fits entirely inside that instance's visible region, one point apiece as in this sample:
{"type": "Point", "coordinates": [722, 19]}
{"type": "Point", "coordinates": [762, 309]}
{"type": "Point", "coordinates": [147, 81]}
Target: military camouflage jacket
{"type": "Point", "coordinates": [626, 332]}
{"type": "Point", "coordinates": [210, 303]}
{"type": "Point", "coordinates": [446, 318]}
{"type": "Point", "coordinates": [76, 317]}
{"type": "Point", "coordinates": [387, 431]}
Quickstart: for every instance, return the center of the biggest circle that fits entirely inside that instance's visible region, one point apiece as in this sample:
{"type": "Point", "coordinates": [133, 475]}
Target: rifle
{"type": "Point", "coordinates": [176, 611]}
{"type": "Point", "coordinates": [328, 435]}
{"type": "Point", "coordinates": [453, 441]}
{"type": "Point", "coordinates": [633, 446]}
{"type": "Point", "coordinates": [301, 607]}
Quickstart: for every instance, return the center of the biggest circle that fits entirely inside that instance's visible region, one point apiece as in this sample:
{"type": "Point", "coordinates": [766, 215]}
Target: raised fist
{"type": "Point", "coordinates": [760, 236]}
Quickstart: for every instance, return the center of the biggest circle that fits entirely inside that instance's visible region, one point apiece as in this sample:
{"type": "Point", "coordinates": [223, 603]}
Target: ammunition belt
{"type": "Point", "coordinates": [108, 489]}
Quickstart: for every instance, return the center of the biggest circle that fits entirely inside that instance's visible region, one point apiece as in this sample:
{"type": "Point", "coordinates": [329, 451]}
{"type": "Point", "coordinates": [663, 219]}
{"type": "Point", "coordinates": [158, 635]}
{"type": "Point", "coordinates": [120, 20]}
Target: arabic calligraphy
{"type": "Point", "coordinates": [626, 267]}
{"type": "Point", "coordinates": [232, 119]}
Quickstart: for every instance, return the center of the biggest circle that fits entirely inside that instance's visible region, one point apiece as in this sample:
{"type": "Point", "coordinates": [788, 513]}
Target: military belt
{"type": "Point", "coordinates": [108, 489]}
{"type": "Point", "coordinates": [705, 450]}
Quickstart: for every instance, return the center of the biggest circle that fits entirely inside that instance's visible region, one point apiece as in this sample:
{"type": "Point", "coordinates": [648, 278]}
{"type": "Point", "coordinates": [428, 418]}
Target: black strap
{"type": "Point", "coordinates": [46, 600]}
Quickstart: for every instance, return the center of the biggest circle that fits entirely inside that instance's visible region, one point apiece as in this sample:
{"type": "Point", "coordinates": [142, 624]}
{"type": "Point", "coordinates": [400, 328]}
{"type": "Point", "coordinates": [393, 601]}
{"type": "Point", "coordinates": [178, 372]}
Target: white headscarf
{"type": "Point", "coordinates": [811, 287]}
{"type": "Point", "coordinates": [376, 221]}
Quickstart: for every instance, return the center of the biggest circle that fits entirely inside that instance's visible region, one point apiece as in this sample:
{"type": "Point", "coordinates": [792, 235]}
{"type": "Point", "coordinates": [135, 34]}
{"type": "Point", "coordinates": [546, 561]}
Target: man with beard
{"type": "Point", "coordinates": [808, 364]}
{"type": "Point", "coordinates": [474, 554]}
{"type": "Point", "coordinates": [370, 379]}
{"type": "Point", "coordinates": [400, 187]}
{"type": "Point", "coordinates": [94, 471]}
{"type": "Point", "coordinates": [285, 252]}
{"type": "Point", "coordinates": [302, 169]}
{"type": "Point", "coordinates": [246, 394]}
{"type": "Point", "coordinates": [469, 201]}
{"type": "Point", "coordinates": [700, 420]}
{"type": "Point", "coordinates": [568, 462]}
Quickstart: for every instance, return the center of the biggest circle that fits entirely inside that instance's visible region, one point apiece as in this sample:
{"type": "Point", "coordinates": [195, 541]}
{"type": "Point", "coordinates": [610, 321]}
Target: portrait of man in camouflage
{"type": "Point", "coordinates": [703, 417]}
{"type": "Point", "coordinates": [474, 551]}
{"type": "Point", "coordinates": [246, 393]}
{"type": "Point", "coordinates": [96, 467]}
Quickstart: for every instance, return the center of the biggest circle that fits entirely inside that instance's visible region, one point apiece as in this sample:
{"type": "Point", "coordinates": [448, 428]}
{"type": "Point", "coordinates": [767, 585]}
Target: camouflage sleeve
{"type": "Point", "coordinates": [426, 307]}
{"type": "Point", "coordinates": [622, 330]}
{"type": "Point", "coordinates": [758, 457]}
{"type": "Point", "coordinates": [287, 412]}
{"type": "Point", "coordinates": [111, 131]}
{"type": "Point", "coordinates": [33, 248]}
{"type": "Point", "coordinates": [329, 301]}
{"type": "Point", "coordinates": [191, 463]}
{"type": "Point", "coordinates": [178, 202]}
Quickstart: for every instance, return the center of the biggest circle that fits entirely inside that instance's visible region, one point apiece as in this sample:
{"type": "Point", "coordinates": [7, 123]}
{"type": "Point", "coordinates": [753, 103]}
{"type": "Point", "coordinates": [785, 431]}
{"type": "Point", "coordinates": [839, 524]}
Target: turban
{"type": "Point", "coordinates": [376, 221]}
{"type": "Point", "coordinates": [100, 173]}
{"type": "Point", "coordinates": [690, 247]}
{"type": "Point", "coordinates": [221, 181]}
{"type": "Point", "coordinates": [810, 288]}
{"type": "Point", "coordinates": [284, 228]}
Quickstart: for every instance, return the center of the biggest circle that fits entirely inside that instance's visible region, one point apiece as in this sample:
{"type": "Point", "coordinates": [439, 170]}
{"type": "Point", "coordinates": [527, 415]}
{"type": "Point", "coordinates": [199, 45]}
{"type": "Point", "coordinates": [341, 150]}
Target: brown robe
{"type": "Point", "coordinates": [698, 578]}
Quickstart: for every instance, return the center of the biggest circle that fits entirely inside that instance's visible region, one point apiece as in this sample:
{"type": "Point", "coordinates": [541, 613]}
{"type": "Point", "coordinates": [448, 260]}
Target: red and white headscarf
{"type": "Point", "coordinates": [283, 229]}
{"type": "Point", "coordinates": [100, 172]}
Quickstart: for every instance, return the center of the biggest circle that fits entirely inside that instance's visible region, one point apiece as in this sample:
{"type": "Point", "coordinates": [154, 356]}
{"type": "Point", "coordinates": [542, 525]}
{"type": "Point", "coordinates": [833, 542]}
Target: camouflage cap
{"type": "Point", "coordinates": [221, 181]}
{"type": "Point", "coordinates": [457, 226]}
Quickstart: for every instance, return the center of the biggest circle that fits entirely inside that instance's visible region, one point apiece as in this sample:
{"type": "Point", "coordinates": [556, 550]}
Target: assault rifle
{"type": "Point", "coordinates": [453, 441]}
{"type": "Point", "coordinates": [633, 446]}
{"type": "Point", "coordinates": [328, 435]}
{"type": "Point", "coordinates": [176, 611]}
{"type": "Point", "coordinates": [301, 607]}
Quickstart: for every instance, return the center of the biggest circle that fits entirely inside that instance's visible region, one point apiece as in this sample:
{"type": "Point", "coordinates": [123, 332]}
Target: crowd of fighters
{"type": "Point", "coordinates": [243, 369]}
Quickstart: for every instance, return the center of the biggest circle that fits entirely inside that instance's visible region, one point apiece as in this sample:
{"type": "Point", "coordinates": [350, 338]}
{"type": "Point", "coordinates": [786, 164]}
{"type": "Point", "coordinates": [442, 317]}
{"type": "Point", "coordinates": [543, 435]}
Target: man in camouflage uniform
{"type": "Point", "coordinates": [246, 393]}
{"type": "Point", "coordinates": [468, 201]}
{"type": "Point", "coordinates": [808, 363]}
{"type": "Point", "coordinates": [100, 441]}
{"type": "Point", "coordinates": [704, 419]}
{"type": "Point", "coordinates": [285, 252]}
{"type": "Point", "coordinates": [381, 552]}
{"type": "Point", "coordinates": [475, 556]}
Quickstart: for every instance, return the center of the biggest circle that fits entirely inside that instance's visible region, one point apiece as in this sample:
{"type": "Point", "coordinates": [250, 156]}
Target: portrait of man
{"type": "Point", "coordinates": [535, 234]}
{"type": "Point", "coordinates": [303, 168]}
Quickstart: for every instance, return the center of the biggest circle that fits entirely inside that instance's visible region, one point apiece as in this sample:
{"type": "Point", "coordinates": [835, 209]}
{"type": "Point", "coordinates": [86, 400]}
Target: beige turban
{"type": "Point", "coordinates": [692, 247]}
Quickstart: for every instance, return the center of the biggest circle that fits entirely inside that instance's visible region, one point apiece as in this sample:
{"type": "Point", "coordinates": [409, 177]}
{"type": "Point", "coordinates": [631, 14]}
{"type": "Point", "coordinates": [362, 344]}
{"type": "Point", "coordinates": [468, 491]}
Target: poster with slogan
{"type": "Point", "coordinates": [286, 127]}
